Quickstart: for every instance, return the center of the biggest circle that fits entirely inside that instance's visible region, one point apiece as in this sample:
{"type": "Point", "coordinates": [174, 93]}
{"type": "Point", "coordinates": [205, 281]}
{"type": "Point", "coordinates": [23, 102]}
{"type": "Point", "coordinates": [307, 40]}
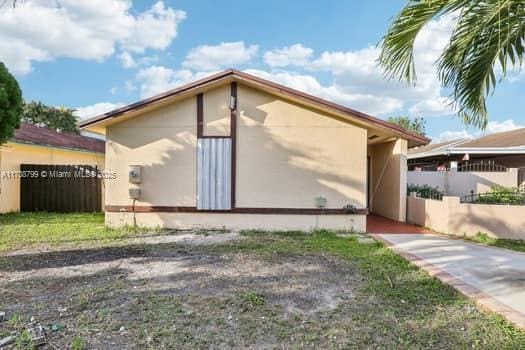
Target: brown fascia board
{"type": "Point", "coordinates": [235, 74]}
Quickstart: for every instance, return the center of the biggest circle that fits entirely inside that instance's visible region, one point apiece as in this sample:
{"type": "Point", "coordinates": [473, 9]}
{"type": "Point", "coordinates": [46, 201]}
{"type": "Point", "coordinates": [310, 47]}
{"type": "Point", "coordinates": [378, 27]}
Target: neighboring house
{"type": "Point", "coordinates": [461, 167]}
{"type": "Point", "coordinates": [33, 145]}
{"type": "Point", "coordinates": [233, 150]}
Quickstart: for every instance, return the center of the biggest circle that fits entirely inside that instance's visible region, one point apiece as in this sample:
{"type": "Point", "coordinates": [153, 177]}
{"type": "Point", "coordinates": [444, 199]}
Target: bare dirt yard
{"type": "Point", "coordinates": [220, 290]}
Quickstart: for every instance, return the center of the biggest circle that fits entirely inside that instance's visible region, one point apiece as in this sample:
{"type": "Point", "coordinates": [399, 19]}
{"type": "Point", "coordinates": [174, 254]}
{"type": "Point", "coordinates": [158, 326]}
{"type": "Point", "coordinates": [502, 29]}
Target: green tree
{"type": "Point", "coordinates": [60, 118]}
{"type": "Point", "coordinates": [487, 35]}
{"type": "Point", "coordinates": [416, 125]}
{"type": "Point", "coordinates": [10, 104]}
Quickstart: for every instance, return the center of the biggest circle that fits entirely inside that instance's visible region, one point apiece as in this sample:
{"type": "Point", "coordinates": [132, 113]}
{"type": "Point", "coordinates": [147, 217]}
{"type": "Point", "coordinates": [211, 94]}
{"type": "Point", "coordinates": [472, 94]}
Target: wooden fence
{"type": "Point", "coordinates": [60, 188]}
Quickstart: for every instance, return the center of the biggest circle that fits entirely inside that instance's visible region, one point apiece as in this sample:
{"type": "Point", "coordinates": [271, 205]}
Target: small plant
{"type": "Point", "coordinates": [16, 320]}
{"type": "Point", "coordinates": [425, 191]}
{"type": "Point", "coordinates": [501, 195]}
{"type": "Point", "coordinates": [253, 299]}
{"type": "Point", "coordinates": [24, 341]}
{"type": "Point", "coordinates": [78, 343]}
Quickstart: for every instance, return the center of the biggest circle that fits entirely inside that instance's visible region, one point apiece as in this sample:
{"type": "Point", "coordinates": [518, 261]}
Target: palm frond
{"type": "Point", "coordinates": [488, 36]}
{"type": "Point", "coordinates": [397, 46]}
{"type": "Point", "coordinates": [487, 39]}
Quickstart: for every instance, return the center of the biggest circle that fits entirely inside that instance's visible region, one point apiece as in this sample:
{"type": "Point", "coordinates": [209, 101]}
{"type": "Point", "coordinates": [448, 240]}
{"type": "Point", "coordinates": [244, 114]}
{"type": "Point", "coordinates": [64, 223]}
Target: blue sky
{"type": "Point", "coordinates": [96, 55]}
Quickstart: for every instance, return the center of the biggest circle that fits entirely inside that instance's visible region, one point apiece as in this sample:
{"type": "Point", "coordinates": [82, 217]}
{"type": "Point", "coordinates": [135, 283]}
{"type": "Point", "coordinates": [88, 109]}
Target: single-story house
{"type": "Point", "coordinates": [470, 166]}
{"type": "Point", "coordinates": [237, 151]}
{"type": "Point", "coordinates": [504, 148]}
{"type": "Point", "coordinates": [33, 145]}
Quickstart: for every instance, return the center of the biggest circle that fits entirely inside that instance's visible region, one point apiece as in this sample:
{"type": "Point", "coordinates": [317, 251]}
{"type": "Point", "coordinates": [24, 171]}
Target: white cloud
{"type": "Point", "coordinates": [296, 54]}
{"type": "Point", "coordinates": [358, 72]}
{"type": "Point", "coordinates": [452, 135]}
{"type": "Point", "coordinates": [127, 60]}
{"type": "Point", "coordinates": [129, 86]}
{"type": "Point", "coordinates": [497, 126]}
{"type": "Point", "coordinates": [154, 29]}
{"type": "Point", "coordinates": [492, 128]}
{"type": "Point", "coordinates": [95, 109]}
{"type": "Point", "coordinates": [433, 107]}
{"type": "Point", "coordinates": [89, 30]}
{"type": "Point", "coordinates": [224, 55]}
{"type": "Point", "coordinates": [156, 79]}
{"type": "Point", "coordinates": [363, 102]}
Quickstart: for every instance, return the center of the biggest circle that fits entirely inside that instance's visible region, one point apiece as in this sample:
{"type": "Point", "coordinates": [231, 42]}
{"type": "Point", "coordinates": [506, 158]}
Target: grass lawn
{"type": "Point", "coordinates": [513, 244]}
{"type": "Point", "coordinates": [24, 230]}
{"type": "Point", "coordinates": [286, 290]}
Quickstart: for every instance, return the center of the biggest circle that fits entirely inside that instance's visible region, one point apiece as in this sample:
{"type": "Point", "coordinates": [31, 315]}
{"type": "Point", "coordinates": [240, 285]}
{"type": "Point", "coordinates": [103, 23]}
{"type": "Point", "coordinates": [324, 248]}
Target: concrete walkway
{"type": "Point", "coordinates": [493, 277]}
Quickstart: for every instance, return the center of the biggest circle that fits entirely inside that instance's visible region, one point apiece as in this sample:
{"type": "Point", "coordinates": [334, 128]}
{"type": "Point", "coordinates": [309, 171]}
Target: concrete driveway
{"type": "Point", "coordinates": [493, 277]}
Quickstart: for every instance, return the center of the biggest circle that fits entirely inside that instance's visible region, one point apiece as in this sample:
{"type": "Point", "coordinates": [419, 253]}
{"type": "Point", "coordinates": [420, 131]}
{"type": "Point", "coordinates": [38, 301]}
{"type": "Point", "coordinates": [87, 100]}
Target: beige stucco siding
{"type": "Point", "coordinates": [216, 113]}
{"type": "Point", "coordinates": [239, 221]}
{"type": "Point", "coordinates": [288, 154]}
{"type": "Point", "coordinates": [164, 143]}
{"type": "Point", "coordinates": [389, 179]}
{"type": "Point", "coordinates": [450, 216]}
{"type": "Point", "coordinates": [14, 154]}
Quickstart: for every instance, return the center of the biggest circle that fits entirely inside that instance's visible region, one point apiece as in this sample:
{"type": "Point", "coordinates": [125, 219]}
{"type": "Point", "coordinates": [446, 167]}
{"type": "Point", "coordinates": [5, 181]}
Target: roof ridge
{"type": "Point", "coordinates": [255, 79]}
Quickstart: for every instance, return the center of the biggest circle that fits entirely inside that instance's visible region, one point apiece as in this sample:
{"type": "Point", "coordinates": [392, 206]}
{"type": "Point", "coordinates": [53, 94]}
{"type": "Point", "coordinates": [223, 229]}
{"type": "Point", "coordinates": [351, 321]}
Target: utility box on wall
{"type": "Point", "coordinates": [135, 174]}
{"type": "Point", "coordinates": [134, 193]}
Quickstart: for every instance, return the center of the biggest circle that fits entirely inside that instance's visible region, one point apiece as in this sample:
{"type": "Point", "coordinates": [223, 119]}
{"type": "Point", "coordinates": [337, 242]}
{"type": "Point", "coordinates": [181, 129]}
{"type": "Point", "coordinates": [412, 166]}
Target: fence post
{"type": "Point", "coordinates": [451, 204]}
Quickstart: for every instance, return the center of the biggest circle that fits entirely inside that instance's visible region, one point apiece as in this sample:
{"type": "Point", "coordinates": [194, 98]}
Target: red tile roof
{"type": "Point", "coordinates": [32, 134]}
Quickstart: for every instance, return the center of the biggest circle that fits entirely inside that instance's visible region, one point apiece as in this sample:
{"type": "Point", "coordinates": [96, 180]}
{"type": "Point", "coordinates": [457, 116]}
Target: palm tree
{"type": "Point", "coordinates": [488, 38]}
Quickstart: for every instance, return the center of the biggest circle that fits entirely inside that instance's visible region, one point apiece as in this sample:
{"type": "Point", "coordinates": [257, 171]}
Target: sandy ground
{"type": "Point", "coordinates": [107, 295]}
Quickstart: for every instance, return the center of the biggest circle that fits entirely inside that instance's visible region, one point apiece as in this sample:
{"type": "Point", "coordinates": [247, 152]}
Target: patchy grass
{"type": "Point", "coordinates": [512, 244]}
{"type": "Point", "coordinates": [253, 299]}
{"type": "Point", "coordinates": [268, 290]}
{"type": "Point", "coordinates": [25, 230]}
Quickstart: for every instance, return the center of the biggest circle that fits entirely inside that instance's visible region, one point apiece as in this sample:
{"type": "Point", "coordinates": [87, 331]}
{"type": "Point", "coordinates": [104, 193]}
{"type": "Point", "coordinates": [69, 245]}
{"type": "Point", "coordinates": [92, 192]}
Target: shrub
{"type": "Point", "coordinates": [10, 104]}
{"type": "Point", "coordinates": [501, 195]}
{"type": "Point", "coordinates": [425, 191]}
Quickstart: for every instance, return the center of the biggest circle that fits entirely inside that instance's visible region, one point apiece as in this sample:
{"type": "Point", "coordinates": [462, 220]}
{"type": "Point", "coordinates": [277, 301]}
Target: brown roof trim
{"type": "Point", "coordinates": [143, 103]}
{"type": "Point", "coordinates": [251, 78]}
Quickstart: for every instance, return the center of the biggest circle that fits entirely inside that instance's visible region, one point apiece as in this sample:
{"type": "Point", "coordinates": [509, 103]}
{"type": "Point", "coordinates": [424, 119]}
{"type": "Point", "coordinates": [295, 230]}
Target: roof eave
{"type": "Point", "coordinates": [241, 76]}
{"type": "Point", "coordinates": [469, 150]}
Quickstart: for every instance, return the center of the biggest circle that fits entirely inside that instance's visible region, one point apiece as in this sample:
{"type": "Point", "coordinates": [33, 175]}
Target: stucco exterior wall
{"type": "Point", "coordinates": [14, 154]}
{"type": "Point", "coordinates": [216, 113]}
{"type": "Point", "coordinates": [288, 154]}
{"type": "Point", "coordinates": [389, 179]}
{"type": "Point", "coordinates": [452, 217]}
{"type": "Point", "coordinates": [454, 183]}
{"type": "Point", "coordinates": [164, 143]}
{"type": "Point", "coordinates": [240, 221]}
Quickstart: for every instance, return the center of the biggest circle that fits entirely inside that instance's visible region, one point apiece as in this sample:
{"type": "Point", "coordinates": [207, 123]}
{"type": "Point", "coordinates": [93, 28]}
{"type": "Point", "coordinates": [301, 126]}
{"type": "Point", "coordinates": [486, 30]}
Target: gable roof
{"type": "Point", "coordinates": [513, 138]}
{"type": "Point", "coordinates": [236, 75]}
{"type": "Point", "coordinates": [42, 136]}
{"type": "Point", "coordinates": [436, 147]}
{"type": "Point", "coordinates": [508, 142]}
